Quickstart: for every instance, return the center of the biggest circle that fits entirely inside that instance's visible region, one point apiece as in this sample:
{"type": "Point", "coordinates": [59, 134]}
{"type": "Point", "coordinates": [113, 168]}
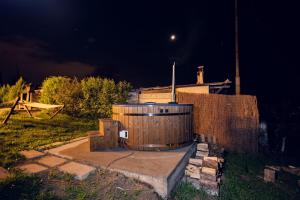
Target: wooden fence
{"type": "Point", "coordinates": [231, 121]}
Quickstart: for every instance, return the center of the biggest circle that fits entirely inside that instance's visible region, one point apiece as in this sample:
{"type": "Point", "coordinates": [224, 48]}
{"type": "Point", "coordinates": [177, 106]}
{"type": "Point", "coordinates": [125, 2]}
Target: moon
{"type": "Point", "coordinates": [173, 37]}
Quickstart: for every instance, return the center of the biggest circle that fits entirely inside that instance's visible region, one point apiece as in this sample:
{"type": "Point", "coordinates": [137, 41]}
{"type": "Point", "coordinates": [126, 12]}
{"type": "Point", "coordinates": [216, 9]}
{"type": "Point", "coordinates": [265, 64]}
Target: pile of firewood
{"type": "Point", "coordinates": [205, 170]}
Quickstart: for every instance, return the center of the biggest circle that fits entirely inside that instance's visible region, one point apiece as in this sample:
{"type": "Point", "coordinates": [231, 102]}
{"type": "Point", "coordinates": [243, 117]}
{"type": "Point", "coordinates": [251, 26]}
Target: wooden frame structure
{"type": "Point", "coordinates": [30, 105]}
{"type": "Point", "coordinates": [41, 106]}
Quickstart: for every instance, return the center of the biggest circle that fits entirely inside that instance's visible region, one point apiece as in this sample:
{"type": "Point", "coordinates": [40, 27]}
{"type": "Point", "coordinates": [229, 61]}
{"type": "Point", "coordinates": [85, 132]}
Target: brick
{"type": "Point", "coordinates": [80, 171]}
{"type": "Point", "coordinates": [269, 175]}
{"type": "Point", "coordinates": [202, 147]}
{"type": "Point", "coordinates": [51, 161]}
{"type": "Point", "coordinates": [196, 162]}
{"type": "Point", "coordinates": [211, 162]}
{"type": "Point", "coordinates": [3, 173]}
{"type": "Point", "coordinates": [201, 154]}
{"type": "Point", "coordinates": [32, 168]}
{"type": "Point", "coordinates": [31, 154]}
{"type": "Point", "coordinates": [211, 158]}
{"type": "Point", "coordinates": [209, 171]}
{"type": "Point", "coordinates": [208, 177]}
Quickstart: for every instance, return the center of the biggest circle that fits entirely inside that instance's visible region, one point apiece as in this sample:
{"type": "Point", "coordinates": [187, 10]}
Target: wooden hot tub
{"type": "Point", "coordinates": [155, 126]}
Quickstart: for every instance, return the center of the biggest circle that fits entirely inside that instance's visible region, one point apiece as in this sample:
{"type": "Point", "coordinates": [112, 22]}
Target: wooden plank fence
{"type": "Point", "coordinates": [231, 121]}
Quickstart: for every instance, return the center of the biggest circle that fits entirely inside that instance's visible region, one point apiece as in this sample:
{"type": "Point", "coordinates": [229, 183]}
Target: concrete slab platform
{"type": "Point", "coordinates": [51, 161]}
{"type": "Point", "coordinates": [80, 171]}
{"type": "Point", "coordinates": [31, 154]}
{"type": "Point", "coordinates": [3, 173]}
{"type": "Point", "coordinates": [79, 138]}
{"type": "Point", "coordinates": [32, 168]}
{"type": "Point", "coordinates": [56, 151]}
{"type": "Point", "coordinates": [52, 145]}
{"type": "Point", "coordinates": [163, 170]}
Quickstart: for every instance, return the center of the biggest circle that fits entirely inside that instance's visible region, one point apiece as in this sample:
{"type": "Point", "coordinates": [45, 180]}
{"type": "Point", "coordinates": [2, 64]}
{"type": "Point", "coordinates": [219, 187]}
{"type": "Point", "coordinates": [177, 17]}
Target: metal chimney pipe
{"type": "Point", "coordinates": [173, 84]}
{"type": "Point", "coordinates": [200, 75]}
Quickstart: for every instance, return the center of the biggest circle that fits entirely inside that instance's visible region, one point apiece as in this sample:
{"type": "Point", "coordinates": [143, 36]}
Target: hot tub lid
{"type": "Point", "coordinates": [152, 104]}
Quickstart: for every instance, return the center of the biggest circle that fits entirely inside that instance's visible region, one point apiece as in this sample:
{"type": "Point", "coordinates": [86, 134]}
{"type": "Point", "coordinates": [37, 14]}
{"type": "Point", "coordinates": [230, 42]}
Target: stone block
{"type": "Point", "coordinates": [208, 177]}
{"type": "Point", "coordinates": [3, 173]}
{"type": "Point", "coordinates": [201, 154]}
{"type": "Point", "coordinates": [31, 154]}
{"type": "Point", "coordinates": [51, 161]}
{"type": "Point", "coordinates": [80, 171]}
{"type": "Point", "coordinates": [196, 162]}
{"type": "Point", "coordinates": [269, 175]}
{"type": "Point", "coordinates": [209, 171]}
{"type": "Point", "coordinates": [32, 168]}
{"type": "Point", "coordinates": [202, 147]}
{"type": "Point", "coordinates": [211, 162]}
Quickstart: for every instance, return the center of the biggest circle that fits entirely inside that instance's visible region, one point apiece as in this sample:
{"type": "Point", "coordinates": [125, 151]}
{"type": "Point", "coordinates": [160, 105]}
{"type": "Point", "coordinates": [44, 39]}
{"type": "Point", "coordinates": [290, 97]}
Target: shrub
{"type": "Point", "coordinates": [100, 93]}
{"type": "Point", "coordinates": [123, 89]}
{"type": "Point", "coordinates": [62, 90]}
{"type": "Point", "coordinates": [91, 97]}
{"type": "Point", "coordinates": [91, 89]}
{"type": "Point", "coordinates": [51, 88]}
{"type": "Point", "coordinates": [3, 91]}
{"type": "Point", "coordinates": [8, 93]}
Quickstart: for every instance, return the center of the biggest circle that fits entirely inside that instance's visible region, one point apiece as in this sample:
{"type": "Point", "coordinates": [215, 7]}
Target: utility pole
{"type": "Point", "coordinates": [237, 59]}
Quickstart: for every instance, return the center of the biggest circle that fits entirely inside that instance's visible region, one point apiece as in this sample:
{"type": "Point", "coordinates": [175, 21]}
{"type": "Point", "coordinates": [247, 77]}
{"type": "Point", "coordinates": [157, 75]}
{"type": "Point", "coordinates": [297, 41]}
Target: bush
{"type": "Point", "coordinates": [123, 89]}
{"type": "Point", "coordinates": [3, 91]}
{"type": "Point", "coordinates": [62, 90]}
{"type": "Point", "coordinates": [91, 97]}
{"type": "Point", "coordinates": [100, 93]}
{"type": "Point", "coordinates": [91, 89]}
{"type": "Point", "coordinates": [8, 93]}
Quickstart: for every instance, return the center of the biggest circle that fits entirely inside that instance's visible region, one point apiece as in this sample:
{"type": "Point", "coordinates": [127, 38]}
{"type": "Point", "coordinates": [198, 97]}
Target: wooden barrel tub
{"type": "Point", "coordinates": [155, 126]}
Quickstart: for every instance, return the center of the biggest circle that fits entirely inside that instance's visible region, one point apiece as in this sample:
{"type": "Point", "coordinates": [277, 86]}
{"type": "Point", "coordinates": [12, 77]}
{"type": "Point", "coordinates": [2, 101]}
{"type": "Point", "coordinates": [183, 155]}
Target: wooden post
{"type": "Point", "coordinates": [57, 112]}
{"type": "Point", "coordinates": [26, 108]}
{"type": "Point", "coordinates": [11, 110]}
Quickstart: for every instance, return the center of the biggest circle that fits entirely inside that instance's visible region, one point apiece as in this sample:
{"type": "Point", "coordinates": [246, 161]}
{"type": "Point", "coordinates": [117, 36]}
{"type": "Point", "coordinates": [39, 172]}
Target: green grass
{"type": "Point", "coordinates": [243, 179]}
{"type": "Point", "coordinates": [186, 191]}
{"type": "Point", "coordinates": [14, 187]}
{"type": "Point", "coordinates": [243, 173]}
{"type": "Point", "coordinates": [22, 132]}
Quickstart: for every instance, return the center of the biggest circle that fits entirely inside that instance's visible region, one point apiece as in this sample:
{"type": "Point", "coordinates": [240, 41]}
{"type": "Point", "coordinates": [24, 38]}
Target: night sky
{"type": "Point", "coordinates": [129, 40]}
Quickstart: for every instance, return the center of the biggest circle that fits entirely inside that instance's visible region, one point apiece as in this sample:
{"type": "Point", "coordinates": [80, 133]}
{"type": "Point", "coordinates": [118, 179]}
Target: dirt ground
{"type": "Point", "coordinates": [102, 185]}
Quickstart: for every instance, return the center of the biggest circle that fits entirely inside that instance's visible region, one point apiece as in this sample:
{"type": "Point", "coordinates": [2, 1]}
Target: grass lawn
{"type": "Point", "coordinates": [243, 179]}
{"type": "Point", "coordinates": [22, 132]}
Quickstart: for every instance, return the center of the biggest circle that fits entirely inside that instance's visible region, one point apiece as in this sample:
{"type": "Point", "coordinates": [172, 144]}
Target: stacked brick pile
{"type": "Point", "coordinates": [205, 170]}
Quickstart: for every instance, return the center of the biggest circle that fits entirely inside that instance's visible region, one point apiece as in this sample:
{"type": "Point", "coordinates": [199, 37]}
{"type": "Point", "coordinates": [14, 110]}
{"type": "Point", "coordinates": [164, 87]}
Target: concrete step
{"type": "Point", "coordinates": [32, 168]}
{"type": "Point", "coordinates": [31, 154]}
{"type": "Point", "coordinates": [51, 161]}
{"type": "Point", "coordinates": [80, 171]}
